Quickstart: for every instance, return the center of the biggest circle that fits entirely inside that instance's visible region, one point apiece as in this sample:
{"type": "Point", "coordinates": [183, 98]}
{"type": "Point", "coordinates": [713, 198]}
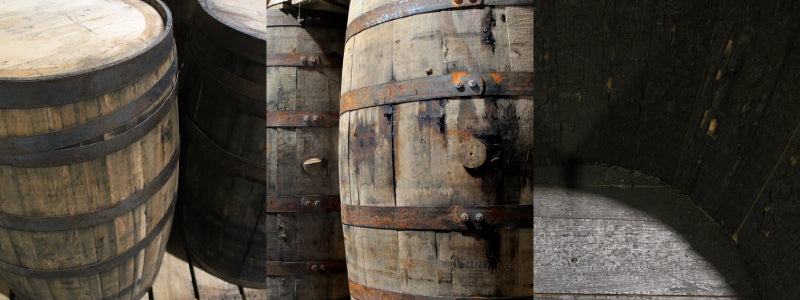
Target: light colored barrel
{"type": "Point", "coordinates": [436, 148]}
{"type": "Point", "coordinates": [88, 146]}
{"type": "Point", "coordinates": [223, 176]}
{"type": "Point", "coordinates": [305, 252]}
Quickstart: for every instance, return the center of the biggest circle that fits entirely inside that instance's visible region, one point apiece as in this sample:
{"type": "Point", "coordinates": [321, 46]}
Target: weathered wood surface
{"type": "Point", "coordinates": [313, 235]}
{"type": "Point", "coordinates": [222, 172]}
{"type": "Point", "coordinates": [705, 103]}
{"type": "Point", "coordinates": [407, 154]}
{"type": "Point", "coordinates": [642, 238]}
{"type": "Point", "coordinates": [52, 37]}
{"type": "Point", "coordinates": [89, 183]}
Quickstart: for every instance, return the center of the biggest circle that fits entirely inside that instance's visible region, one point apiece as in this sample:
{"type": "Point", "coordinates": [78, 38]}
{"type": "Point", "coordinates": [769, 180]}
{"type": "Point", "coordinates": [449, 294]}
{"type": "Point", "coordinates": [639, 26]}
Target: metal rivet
{"type": "Point", "coordinates": [464, 217]}
{"type": "Point", "coordinates": [314, 268]}
{"type": "Point", "coordinates": [473, 1]}
{"type": "Point", "coordinates": [307, 203]}
{"type": "Point", "coordinates": [315, 117]}
{"type": "Point", "coordinates": [478, 217]}
{"type": "Point", "coordinates": [312, 59]}
{"type": "Point", "coordinates": [317, 203]}
{"type": "Point", "coordinates": [458, 1]}
{"type": "Point", "coordinates": [323, 267]}
{"type": "Point", "coordinates": [458, 84]}
{"type": "Point", "coordinates": [306, 118]}
{"type": "Point", "coordinates": [472, 83]}
{"type": "Point", "coordinates": [303, 59]}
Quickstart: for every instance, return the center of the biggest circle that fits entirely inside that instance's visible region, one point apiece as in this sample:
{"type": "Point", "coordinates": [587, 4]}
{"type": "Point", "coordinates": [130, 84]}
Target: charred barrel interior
{"type": "Point", "coordinates": [700, 95]}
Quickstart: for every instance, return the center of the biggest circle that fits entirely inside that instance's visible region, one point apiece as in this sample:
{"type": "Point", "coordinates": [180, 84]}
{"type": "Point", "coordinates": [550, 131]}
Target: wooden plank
{"type": "Point", "coordinates": [61, 36]}
{"type": "Point", "coordinates": [252, 294]}
{"type": "Point", "coordinates": [174, 280]}
{"type": "Point", "coordinates": [626, 297]}
{"type": "Point", "coordinates": [595, 256]}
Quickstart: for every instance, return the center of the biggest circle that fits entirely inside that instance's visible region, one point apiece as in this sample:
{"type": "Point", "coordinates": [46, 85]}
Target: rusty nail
{"type": "Point", "coordinates": [458, 84]}
{"type": "Point", "coordinates": [464, 217]}
{"type": "Point", "coordinates": [323, 267]}
{"type": "Point", "coordinates": [307, 203]}
{"type": "Point", "coordinates": [303, 59]}
{"type": "Point", "coordinates": [478, 217]}
{"type": "Point", "coordinates": [317, 203]}
{"type": "Point", "coordinates": [312, 59]}
{"type": "Point", "coordinates": [314, 268]}
{"type": "Point", "coordinates": [472, 83]}
{"type": "Point", "coordinates": [429, 71]}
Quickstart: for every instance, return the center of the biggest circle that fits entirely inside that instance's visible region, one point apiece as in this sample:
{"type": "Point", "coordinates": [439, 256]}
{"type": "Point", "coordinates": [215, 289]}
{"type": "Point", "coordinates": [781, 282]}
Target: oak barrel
{"type": "Point", "coordinates": [305, 252]}
{"type": "Point", "coordinates": [222, 186]}
{"type": "Point", "coordinates": [88, 146]}
{"type": "Point", "coordinates": [436, 149]}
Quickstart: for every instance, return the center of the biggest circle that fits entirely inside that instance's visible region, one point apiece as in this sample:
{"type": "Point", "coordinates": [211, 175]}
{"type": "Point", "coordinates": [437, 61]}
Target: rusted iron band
{"type": "Point", "coordinates": [94, 218]}
{"type": "Point", "coordinates": [301, 119]}
{"type": "Point", "coordinates": [283, 268]}
{"type": "Point", "coordinates": [213, 151]}
{"type": "Point", "coordinates": [303, 60]}
{"type": "Point", "coordinates": [405, 8]}
{"type": "Point", "coordinates": [302, 203]}
{"type": "Point", "coordinates": [362, 292]}
{"type": "Point", "coordinates": [456, 84]}
{"type": "Point", "coordinates": [308, 18]}
{"type": "Point", "coordinates": [91, 129]}
{"type": "Point", "coordinates": [98, 267]}
{"type": "Point", "coordinates": [444, 218]}
{"type": "Point", "coordinates": [79, 154]}
{"type": "Point", "coordinates": [73, 87]}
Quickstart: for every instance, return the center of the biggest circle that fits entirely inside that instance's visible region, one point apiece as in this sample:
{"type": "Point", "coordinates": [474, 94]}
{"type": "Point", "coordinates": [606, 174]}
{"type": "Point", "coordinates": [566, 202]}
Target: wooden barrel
{"type": "Point", "coordinates": [436, 148]}
{"type": "Point", "coordinates": [335, 6]}
{"type": "Point", "coordinates": [305, 253]}
{"type": "Point", "coordinates": [223, 177]}
{"type": "Point", "coordinates": [88, 146]}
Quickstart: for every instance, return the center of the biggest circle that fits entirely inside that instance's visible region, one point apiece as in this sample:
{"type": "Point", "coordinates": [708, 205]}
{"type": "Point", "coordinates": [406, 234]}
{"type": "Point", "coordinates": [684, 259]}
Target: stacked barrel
{"type": "Point", "coordinates": [223, 114]}
{"type": "Point", "coordinates": [88, 147]}
{"type": "Point", "coordinates": [435, 147]}
{"type": "Point", "coordinates": [305, 251]}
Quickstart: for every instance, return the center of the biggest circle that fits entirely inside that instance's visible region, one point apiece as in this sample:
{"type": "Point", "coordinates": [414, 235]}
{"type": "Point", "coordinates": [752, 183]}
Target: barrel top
{"type": "Point", "coordinates": [248, 16]}
{"type": "Point", "coordinates": [50, 37]}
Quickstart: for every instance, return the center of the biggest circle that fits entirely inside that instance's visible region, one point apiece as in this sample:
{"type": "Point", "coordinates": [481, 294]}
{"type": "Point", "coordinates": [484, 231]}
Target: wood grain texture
{"type": "Point", "coordinates": [645, 240]}
{"type": "Point", "coordinates": [694, 93]}
{"type": "Point", "coordinates": [45, 38]}
{"type": "Point", "coordinates": [407, 154]}
{"type": "Point", "coordinates": [223, 96]}
{"type": "Point", "coordinates": [102, 182]}
{"type": "Point", "coordinates": [304, 236]}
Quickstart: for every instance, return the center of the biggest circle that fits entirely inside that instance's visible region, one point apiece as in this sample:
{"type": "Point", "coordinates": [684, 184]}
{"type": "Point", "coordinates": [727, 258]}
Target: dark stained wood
{"type": "Point", "coordinates": [645, 240]}
{"type": "Point", "coordinates": [222, 96]}
{"type": "Point", "coordinates": [302, 163]}
{"type": "Point", "coordinates": [406, 154]}
{"type": "Point", "coordinates": [694, 93]}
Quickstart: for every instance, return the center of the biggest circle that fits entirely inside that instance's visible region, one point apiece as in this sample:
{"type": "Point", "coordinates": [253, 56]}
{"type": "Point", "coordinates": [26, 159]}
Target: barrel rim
{"type": "Point", "coordinates": [204, 7]}
{"type": "Point", "coordinates": [166, 17]}
{"type": "Point", "coordinates": [115, 74]}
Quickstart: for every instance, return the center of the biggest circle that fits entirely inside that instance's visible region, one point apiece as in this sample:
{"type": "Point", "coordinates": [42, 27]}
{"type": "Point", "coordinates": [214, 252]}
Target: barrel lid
{"type": "Point", "coordinates": [46, 38]}
{"type": "Point", "coordinates": [247, 16]}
